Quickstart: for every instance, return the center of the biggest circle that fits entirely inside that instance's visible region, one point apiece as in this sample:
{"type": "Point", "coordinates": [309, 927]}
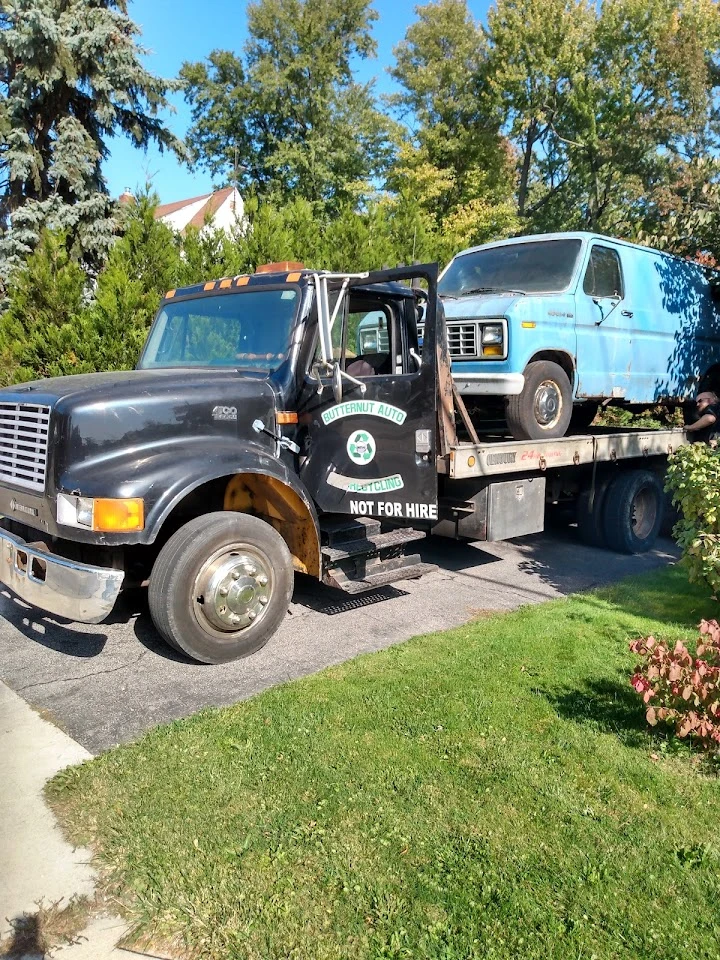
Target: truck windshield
{"type": "Point", "coordinates": [249, 329]}
{"type": "Point", "coordinates": [545, 266]}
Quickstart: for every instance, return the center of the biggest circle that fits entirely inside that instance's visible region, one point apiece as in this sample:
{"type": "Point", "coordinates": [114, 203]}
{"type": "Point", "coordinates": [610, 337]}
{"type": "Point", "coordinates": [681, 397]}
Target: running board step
{"type": "Point", "coordinates": [370, 545]}
{"type": "Point", "coordinates": [346, 528]}
{"type": "Point", "coordinates": [371, 581]}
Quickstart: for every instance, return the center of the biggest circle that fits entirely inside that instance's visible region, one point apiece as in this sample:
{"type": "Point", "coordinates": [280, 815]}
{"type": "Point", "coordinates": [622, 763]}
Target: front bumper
{"type": "Point", "coordinates": [488, 384]}
{"type": "Point", "coordinates": [76, 591]}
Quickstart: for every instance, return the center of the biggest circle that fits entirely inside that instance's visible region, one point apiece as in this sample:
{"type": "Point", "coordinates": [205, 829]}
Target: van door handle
{"type": "Point", "coordinates": [626, 313]}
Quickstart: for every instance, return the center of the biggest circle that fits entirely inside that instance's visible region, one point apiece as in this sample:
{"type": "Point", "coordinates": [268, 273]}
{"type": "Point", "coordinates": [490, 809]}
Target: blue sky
{"type": "Point", "coordinates": [178, 30]}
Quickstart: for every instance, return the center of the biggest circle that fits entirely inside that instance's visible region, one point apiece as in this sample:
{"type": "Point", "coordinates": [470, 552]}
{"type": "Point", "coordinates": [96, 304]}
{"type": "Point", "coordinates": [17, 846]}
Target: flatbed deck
{"type": "Point", "coordinates": [501, 457]}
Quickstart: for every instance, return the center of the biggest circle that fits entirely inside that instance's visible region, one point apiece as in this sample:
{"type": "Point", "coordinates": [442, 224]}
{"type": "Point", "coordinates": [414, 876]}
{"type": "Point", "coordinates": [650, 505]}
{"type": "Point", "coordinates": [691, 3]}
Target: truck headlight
{"type": "Point", "coordinates": [492, 333]}
{"type": "Point", "coordinates": [101, 513]}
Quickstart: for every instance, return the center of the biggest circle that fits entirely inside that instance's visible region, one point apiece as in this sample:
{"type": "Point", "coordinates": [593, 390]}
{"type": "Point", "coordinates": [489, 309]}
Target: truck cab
{"type": "Point", "coordinates": [251, 442]}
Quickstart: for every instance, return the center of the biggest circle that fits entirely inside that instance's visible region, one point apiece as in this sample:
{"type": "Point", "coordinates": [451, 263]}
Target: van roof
{"type": "Point", "coordinates": [584, 235]}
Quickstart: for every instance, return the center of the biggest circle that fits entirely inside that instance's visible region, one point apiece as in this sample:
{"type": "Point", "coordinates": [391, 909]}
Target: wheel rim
{"type": "Point", "coordinates": [644, 513]}
{"type": "Point", "coordinates": [232, 590]}
{"type": "Point", "coordinates": [548, 403]}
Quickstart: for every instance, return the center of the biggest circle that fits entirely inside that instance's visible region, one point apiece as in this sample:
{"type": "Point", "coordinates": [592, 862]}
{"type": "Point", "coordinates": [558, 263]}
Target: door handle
{"type": "Point", "coordinates": [626, 313]}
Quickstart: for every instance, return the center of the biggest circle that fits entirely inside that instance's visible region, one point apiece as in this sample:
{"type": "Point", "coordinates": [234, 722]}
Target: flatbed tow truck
{"type": "Point", "coordinates": [251, 444]}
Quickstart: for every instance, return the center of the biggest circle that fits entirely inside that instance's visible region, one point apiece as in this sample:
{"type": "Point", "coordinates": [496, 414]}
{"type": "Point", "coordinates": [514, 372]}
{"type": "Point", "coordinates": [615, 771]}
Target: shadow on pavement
{"type": "Point", "coordinates": [55, 634]}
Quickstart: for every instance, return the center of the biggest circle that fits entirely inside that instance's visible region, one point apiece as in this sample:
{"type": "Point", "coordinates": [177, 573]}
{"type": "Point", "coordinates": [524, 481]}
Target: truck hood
{"type": "Point", "coordinates": [103, 422]}
{"type": "Point", "coordinates": [481, 305]}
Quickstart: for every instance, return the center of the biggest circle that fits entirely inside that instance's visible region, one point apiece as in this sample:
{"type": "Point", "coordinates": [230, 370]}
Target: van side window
{"type": "Point", "coordinates": [603, 277]}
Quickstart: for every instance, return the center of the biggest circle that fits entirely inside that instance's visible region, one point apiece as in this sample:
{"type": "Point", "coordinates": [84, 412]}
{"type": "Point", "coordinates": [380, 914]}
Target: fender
{"type": "Point", "coordinates": [164, 474]}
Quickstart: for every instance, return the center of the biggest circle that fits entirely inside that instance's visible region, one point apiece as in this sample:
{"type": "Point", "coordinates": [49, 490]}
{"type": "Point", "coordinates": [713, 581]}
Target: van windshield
{"type": "Point", "coordinates": [545, 266]}
{"type": "Point", "coordinates": [239, 329]}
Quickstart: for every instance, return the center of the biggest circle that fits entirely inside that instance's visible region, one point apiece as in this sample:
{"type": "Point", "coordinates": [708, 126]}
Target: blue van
{"type": "Point", "coordinates": [557, 323]}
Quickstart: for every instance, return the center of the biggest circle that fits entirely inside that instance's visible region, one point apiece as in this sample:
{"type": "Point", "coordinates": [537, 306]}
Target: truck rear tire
{"type": "Point", "coordinates": [221, 586]}
{"type": "Point", "coordinates": [591, 526]}
{"type": "Point", "coordinates": [633, 511]}
{"type": "Point", "coordinates": [543, 410]}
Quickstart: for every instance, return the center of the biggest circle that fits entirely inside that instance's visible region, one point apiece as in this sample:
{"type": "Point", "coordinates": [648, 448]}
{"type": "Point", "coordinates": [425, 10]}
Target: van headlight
{"type": "Point", "coordinates": [492, 333]}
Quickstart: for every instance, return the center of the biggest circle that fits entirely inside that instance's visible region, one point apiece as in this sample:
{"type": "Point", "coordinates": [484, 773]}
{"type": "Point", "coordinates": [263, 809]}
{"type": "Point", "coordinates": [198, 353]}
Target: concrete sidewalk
{"type": "Point", "coordinates": [37, 865]}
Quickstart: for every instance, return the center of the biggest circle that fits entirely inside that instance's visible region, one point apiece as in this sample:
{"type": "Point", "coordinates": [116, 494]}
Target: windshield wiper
{"type": "Point", "coordinates": [469, 293]}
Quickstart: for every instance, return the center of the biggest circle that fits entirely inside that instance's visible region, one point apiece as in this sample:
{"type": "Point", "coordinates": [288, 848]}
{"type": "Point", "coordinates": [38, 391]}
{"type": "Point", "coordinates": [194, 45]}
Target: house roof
{"type": "Point", "coordinates": [204, 210]}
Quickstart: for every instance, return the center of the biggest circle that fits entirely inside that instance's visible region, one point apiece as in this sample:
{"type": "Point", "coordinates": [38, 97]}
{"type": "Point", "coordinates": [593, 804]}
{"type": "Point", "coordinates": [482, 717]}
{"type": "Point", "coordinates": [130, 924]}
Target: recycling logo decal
{"type": "Point", "coordinates": [361, 447]}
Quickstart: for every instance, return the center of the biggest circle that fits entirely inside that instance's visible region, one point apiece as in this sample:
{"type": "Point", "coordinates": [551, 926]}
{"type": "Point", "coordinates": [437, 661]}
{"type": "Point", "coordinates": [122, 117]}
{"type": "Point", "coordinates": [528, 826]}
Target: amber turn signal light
{"type": "Point", "coordinates": [118, 516]}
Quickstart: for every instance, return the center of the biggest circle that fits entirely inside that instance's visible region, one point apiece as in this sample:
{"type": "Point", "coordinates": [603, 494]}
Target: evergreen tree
{"type": "Point", "coordinates": [40, 333]}
{"type": "Point", "coordinates": [71, 76]}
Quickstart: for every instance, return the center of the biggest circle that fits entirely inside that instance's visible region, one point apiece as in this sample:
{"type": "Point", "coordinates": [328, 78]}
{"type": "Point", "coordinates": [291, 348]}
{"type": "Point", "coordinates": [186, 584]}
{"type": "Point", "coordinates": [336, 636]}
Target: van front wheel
{"type": "Point", "coordinates": [543, 409]}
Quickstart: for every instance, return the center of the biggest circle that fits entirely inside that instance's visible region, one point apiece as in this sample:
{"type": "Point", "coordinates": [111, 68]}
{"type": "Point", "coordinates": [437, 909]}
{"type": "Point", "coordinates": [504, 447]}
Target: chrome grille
{"type": "Point", "coordinates": [24, 429]}
{"type": "Point", "coordinates": [463, 340]}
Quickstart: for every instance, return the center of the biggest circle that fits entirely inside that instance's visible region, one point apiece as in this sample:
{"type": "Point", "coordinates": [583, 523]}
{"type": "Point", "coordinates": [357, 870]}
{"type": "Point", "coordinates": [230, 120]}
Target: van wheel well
{"type": "Point", "coordinates": [563, 360]}
{"type": "Point", "coordinates": [261, 496]}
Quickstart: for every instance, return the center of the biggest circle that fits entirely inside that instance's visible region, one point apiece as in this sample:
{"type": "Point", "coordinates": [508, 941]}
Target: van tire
{"type": "Point", "coordinates": [543, 410]}
{"type": "Point", "coordinates": [633, 511]}
{"type": "Point", "coordinates": [219, 570]}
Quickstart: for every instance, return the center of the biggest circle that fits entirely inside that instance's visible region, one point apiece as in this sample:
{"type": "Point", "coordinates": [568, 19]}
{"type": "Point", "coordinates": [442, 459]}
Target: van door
{"type": "Point", "coordinates": [602, 320]}
{"type": "Point", "coordinates": [371, 452]}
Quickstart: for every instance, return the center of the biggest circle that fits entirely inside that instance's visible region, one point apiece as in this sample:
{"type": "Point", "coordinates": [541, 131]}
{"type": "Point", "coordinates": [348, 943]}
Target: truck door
{"type": "Point", "coordinates": [604, 348]}
{"type": "Point", "coordinates": [370, 441]}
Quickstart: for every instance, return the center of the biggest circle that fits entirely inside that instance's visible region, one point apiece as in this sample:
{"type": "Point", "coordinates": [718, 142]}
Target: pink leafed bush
{"type": "Point", "coordinates": [682, 689]}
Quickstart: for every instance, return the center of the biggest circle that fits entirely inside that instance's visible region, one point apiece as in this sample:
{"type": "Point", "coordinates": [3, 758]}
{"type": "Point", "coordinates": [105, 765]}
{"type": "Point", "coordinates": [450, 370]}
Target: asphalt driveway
{"type": "Point", "coordinates": [107, 683]}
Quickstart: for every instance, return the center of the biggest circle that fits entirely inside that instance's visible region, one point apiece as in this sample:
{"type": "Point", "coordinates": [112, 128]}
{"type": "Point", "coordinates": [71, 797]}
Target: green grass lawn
{"type": "Point", "coordinates": [489, 792]}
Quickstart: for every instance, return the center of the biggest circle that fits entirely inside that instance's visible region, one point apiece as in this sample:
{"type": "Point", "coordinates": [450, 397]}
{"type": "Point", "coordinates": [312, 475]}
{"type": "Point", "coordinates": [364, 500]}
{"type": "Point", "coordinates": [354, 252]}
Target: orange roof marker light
{"type": "Point", "coordinates": [224, 284]}
{"type": "Point", "coordinates": [241, 281]}
{"type": "Point", "coordinates": [210, 286]}
{"type": "Point", "coordinates": [281, 267]}
{"type": "Point", "coordinates": [170, 294]}
{"type": "Point", "coordinates": [286, 416]}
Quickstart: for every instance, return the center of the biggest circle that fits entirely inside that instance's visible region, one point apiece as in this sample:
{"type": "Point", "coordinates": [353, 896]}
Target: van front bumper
{"type": "Point", "coordinates": [76, 591]}
{"type": "Point", "coordinates": [489, 384]}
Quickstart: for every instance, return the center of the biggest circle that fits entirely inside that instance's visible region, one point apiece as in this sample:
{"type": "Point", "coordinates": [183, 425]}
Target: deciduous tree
{"type": "Point", "coordinates": [285, 116]}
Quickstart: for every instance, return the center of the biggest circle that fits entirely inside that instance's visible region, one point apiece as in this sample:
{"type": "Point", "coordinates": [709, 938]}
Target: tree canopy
{"type": "Point", "coordinates": [286, 116]}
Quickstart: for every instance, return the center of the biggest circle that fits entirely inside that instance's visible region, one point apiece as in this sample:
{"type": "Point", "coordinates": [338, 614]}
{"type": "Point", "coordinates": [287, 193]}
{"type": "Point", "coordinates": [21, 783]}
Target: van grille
{"type": "Point", "coordinates": [24, 429]}
{"type": "Point", "coordinates": [462, 340]}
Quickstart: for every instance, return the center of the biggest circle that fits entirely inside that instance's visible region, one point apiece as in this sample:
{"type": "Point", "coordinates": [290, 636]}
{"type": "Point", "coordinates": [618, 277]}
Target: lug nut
{"type": "Point", "coordinates": [250, 570]}
{"type": "Point", "coordinates": [223, 591]}
{"type": "Point", "coordinates": [263, 600]}
{"type": "Point", "coordinates": [234, 618]}
{"type": "Point", "coordinates": [252, 614]}
{"type": "Point", "coordinates": [262, 580]}
{"type": "Point", "coordinates": [236, 574]}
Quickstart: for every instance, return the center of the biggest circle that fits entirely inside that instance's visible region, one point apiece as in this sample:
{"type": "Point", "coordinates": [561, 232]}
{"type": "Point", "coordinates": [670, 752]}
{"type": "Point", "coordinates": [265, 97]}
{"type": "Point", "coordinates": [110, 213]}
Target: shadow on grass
{"type": "Point", "coordinates": [606, 706]}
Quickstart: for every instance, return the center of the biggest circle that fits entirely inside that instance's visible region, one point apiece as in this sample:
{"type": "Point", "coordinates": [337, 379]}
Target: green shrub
{"type": "Point", "coordinates": [693, 478]}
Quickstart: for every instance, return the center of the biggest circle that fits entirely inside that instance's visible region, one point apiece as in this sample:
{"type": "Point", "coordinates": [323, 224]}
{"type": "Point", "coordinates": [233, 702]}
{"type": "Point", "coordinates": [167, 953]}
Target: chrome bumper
{"type": "Point", "coordinates": [489, 384]}
{"type": "Point", "coordinates": [76, 591]}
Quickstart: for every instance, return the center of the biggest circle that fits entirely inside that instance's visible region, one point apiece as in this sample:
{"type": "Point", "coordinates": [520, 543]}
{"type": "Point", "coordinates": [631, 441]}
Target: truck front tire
{"type": "Point", "coordinates": [633, 511]}
{"type": "Point", "coordinates": [221, 587]}
{"type": "Point", "coordinates": [543, 410]}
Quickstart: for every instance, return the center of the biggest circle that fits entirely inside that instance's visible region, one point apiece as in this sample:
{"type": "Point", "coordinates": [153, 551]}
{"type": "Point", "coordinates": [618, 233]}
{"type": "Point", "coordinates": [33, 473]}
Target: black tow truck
{"type": "Point", "coordinates": [252, 442]}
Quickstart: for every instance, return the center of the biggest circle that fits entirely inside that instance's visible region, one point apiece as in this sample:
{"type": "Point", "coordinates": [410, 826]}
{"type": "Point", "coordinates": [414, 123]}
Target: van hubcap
{"type": "Point", "coordinates": [548, 403]}
{"type": "Point", "coordinates": [233, 589]}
